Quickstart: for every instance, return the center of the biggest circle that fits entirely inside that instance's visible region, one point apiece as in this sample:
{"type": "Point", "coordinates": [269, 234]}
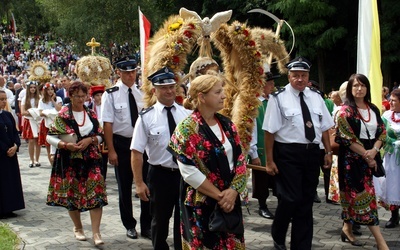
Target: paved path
{"type": "Point", "coordinates": [43, 227]}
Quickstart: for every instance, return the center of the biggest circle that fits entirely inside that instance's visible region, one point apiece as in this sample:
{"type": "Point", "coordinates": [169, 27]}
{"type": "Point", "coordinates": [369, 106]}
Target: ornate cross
{"type": "Point", "coordinates": [93, 44]}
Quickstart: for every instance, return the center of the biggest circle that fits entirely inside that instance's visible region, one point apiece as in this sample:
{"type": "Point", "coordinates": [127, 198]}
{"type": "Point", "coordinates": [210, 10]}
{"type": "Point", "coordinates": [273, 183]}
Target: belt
{"type": "Point", "coordinates": [120, 137]}
{"type": "Point", "coordinates": [300, 145]}
{"type": "Point", "coordinates": [306, 145]}
{"type": "Point", "coordinates": [166, 168]}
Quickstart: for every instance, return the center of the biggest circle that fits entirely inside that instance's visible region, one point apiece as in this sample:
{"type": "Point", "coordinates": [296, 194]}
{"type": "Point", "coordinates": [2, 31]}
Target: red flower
{"type": "Point", "coordinates": [246, 32]}
{"type": "Point", "coordinates": [175, 59]}
{"type": "Point", "coordinates": [252, 43]}
{"type": "Point", "coordinates": [187, 33]}
{"type": "Point", "coordinates": [179, 99]}
{"type": "Point", "coordinates": [207, 145]}
{"type": "Point", "coordinates": [191, 26]}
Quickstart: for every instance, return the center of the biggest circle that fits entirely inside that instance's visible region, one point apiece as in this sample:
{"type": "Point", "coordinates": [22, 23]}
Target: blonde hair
{"type": "Point", "coordinates": [201, 84]}
{"type": "Point", "coordinates": [342, 91]}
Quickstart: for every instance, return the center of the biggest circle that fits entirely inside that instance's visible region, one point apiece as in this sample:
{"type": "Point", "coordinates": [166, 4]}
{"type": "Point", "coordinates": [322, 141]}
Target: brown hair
{"type": "Point", "coordinates": [76, 86]}
{"type": "Point", "coordinates": [29, 95]}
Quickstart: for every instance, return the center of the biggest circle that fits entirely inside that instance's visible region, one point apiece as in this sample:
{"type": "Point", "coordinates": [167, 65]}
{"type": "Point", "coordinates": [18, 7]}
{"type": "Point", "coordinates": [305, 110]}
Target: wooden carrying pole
{"type": "Point", "coordinates": [256, 167]}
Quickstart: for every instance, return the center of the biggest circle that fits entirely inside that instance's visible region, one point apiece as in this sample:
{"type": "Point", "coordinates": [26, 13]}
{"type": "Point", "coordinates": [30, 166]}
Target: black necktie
{"type": "Point", "coordinates": [171, 123]}
{"type": "Point", "coordinates": [308, 125]}
{"type": "Point", "coordinates": [133, 107]}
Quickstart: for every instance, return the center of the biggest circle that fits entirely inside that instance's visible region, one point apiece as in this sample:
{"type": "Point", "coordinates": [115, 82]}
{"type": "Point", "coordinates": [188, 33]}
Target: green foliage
{"type": "Point", "coordinates": [8, 239]}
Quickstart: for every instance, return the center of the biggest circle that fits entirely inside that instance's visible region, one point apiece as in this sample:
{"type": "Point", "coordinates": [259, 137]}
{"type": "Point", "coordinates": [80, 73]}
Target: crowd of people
{"type": "Point", "coordinates": [186, 159]}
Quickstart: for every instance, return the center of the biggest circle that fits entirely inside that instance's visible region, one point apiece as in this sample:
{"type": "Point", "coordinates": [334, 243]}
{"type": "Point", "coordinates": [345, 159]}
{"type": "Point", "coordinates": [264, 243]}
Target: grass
{"type": "Point", "coordinates": [8, 239]}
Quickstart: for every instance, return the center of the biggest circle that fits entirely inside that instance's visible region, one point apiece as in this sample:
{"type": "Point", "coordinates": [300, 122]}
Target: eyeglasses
{"type": "Point", "coordinates": [79, 96]}
{"type": "Point", "coordinates": [356, 86]}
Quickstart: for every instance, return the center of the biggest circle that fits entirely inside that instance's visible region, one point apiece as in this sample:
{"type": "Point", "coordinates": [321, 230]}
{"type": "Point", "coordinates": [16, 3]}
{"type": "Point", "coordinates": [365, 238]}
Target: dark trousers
{"type": "Point", "coordinates": [296, 183]}
{"type": "Point", "coordinates": [326, 172]}
{"type": "Point", "coordinates": [145, 216]}
{"type": "Point", "coordinates": [124, 176]}
{"type": "Point", "coordinates": [261, 182]}
{"type": "Point", "coordinates": [164, 200]}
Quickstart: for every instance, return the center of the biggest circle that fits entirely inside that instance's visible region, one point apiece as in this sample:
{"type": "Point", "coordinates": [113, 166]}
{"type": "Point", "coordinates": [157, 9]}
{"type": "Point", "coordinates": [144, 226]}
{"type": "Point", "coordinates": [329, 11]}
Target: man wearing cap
{"type": "Point", "coordinates": [300, 122]}
{"type": "Point", "coordinates": [261, 180]}
{"type": "Point", "coordinates": [120, 106]}
{"type": "Point", "coordinates": [152, 134]}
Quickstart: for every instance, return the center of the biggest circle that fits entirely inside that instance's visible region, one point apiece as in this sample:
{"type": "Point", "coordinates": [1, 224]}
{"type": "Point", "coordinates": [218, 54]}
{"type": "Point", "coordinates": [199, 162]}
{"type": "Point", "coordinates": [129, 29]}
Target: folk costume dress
{"type": "Point", "coordinates": [194, 143]}
{"type": "Point", "coordinates": [357, 192]}
{"type": "Point", "coordinates": [388, 188]}
{"type": "Point", "coordinates": [76, 182]}
{"type": "Point", "coordinates": [11, 194]}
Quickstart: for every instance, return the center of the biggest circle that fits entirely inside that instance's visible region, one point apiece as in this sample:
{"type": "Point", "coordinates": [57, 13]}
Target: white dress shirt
{"type": "Point", "coordinates": [284, 118]}
{"type": "Point", "coordinates": [151, 133]}
{"type": "Point", "coordinates": [115, 108]}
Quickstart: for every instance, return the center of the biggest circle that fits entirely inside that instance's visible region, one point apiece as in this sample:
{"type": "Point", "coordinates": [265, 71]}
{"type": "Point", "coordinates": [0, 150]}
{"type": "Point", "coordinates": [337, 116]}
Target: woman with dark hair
{"type": "Point", "coordinates": [360, 134]}
{"type": "Point", "coordinates": [388, 188]}
{"type": "Point", "coordinates": [76, 182]}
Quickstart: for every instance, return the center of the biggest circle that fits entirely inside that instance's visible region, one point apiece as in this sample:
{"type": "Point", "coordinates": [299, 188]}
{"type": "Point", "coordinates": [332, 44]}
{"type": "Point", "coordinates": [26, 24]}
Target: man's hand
{"type": "Point", "coordinates": [327, 161]}
{"type": "Point", "coordinates": [271, 168]}
{"type": "Point", "coordinates": [143, 191]}
{"type": "Point", "coordinates": [256, 161]}
{"type": "Point", "coordinates": [113, 157]}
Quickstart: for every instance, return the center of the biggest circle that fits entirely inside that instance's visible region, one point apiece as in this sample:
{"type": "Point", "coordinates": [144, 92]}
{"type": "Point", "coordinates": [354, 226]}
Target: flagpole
{"type": "Point", "coordinates": [369, 48]}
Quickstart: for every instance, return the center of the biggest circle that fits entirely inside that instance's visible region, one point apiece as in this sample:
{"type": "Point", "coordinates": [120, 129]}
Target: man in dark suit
{"type": "Point", "coordinates": [63, 92]}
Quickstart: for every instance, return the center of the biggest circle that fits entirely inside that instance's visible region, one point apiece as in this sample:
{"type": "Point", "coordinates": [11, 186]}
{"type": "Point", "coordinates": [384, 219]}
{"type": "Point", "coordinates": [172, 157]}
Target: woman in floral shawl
{"type": "Point", "coordinates": [210, 159]}
{"type": "Point", "coordinates": [76, 182]}
{"type": "Point", "coordinates": [360, 134]}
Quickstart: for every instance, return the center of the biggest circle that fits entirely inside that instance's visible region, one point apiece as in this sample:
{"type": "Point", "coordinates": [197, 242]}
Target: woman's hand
{"type": "Point", "coordinates": [84, 143]}
{"type": "Point", "coordinates": [369, 154]}
{"type": "Point", "coordinates": [11, 151]}
{"type": "Point", "coordinates": [372, 164]}
{"type": "Point", "coordinates": [228, 198]}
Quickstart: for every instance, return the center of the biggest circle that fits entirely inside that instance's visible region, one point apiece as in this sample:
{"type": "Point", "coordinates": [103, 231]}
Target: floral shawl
{"type": "Point", "coordinates": [349, 126]}
{"type": "Point", "coordinates": [65, 123]}
{"type": "Point", "coordinates": [194, 143]}
{"type": "Point", "coordinates": [348, 132]}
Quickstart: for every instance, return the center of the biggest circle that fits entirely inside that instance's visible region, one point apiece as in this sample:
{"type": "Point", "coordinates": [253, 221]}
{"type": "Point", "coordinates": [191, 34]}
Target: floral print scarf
{"type": "Point", "coordinates": [194, 143]}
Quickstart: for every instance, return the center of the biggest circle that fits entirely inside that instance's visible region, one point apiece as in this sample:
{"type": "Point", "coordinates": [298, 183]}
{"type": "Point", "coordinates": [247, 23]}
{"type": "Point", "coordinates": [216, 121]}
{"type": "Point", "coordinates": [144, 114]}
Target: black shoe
{"type": "Point", "coordinates": [317, 199]}
{"type": "Point", "coordinates": [332, 202]}
{"type": "Point", "coordinates": [31, 165]}
{"type": "Point", "coordinates": [392, 223]}
{"type": "Point", "coordinates": [146, 234]}
{"type": "Point", "coordinates": [279, 247]}
{"type": "Point", "coordinates": [264, 212]}
{"type": "Point", "coordinates": [131, 233]}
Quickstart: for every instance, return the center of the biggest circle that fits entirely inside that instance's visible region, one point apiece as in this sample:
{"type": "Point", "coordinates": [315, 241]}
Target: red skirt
{"type": "Point", "coordinates": [42, 134]}
{"type": "Point", "coordinates": [27, 130]}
